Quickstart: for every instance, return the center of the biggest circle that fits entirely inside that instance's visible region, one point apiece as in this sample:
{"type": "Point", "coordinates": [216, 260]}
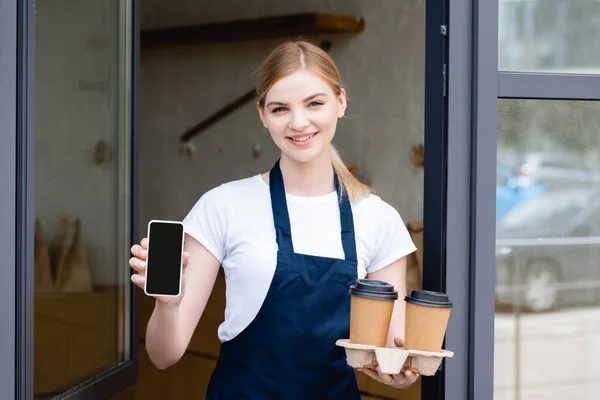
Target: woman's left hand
{"type": "Point", "coordinates": [403, 380]}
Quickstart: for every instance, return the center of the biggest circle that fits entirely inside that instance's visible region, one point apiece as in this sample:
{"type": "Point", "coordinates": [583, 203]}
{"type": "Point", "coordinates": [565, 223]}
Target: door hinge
{"type": "Point", "coordinates": [444, 79]}
{"type": "Point", "coordinates": [444, 33]}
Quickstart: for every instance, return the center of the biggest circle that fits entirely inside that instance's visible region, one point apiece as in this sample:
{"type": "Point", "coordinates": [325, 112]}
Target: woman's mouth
{"type": "Point", "coordinates": [302, 140]}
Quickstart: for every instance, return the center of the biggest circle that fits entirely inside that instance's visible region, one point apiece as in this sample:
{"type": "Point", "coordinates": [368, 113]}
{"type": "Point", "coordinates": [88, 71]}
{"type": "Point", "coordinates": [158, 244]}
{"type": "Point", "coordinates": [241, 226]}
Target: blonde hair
{"type": "Point", "coordinates": [290, 57]}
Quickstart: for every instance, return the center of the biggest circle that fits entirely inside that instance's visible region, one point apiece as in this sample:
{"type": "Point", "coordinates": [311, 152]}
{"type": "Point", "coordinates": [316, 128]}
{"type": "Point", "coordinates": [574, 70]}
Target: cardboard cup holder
{"type": "Point", "coordinates": [392, 360]}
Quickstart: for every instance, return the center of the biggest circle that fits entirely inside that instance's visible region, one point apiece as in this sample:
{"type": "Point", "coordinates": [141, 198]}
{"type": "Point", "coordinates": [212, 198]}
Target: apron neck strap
{"type": "Point", "coordinates": [281, 215]}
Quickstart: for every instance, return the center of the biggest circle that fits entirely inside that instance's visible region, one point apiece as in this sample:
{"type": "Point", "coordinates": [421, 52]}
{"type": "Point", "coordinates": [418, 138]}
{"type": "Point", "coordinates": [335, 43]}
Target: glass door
{"type": "Point", "coordinates": [75, 309]}
{"type": "Point", "coordinates": [547, 201]}
{"type": "Point", "coordinates": [524, 85]}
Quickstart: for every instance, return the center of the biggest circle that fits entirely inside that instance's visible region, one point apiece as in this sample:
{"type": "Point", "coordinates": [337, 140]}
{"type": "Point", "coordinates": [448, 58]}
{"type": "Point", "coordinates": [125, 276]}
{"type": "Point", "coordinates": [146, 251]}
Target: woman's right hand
{"type": "Point", "coordinates": [138, 263]}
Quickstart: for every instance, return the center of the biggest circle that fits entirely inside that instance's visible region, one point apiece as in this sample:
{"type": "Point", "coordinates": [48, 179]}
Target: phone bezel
{"type": "Point", "coordinates": [160, 221]}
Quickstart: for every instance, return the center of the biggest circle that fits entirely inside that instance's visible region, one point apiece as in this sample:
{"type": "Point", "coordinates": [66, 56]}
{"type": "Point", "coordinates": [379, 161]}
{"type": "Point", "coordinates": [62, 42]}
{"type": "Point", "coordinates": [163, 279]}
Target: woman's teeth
{"type": "Point", "coordinates": [303, 138]}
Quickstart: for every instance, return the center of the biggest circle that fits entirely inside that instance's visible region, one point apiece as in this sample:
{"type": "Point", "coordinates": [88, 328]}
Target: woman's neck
{"type": "Point", "coordinates": [310, 179]}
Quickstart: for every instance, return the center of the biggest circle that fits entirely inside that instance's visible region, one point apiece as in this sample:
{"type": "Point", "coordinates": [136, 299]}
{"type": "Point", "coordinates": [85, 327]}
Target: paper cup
{"type": "Point", "coordinates": [371, 306]}
{"type": "Point", "coordinates": [427, 315]}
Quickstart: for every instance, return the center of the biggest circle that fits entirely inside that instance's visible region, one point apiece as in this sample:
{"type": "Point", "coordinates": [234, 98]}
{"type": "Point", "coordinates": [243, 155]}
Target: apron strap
{"type": "Point", "coordinates": [347, 223]}
{"type": "Point", "coordinates": [281, 215]}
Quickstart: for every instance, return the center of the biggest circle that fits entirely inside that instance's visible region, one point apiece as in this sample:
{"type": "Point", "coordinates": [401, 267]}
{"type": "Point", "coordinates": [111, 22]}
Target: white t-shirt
{"type": "Point", "coordinates": [234, 222]}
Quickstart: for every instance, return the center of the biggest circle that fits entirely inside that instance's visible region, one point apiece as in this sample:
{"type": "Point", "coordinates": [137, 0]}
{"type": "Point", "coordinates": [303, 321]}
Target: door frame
{"type": "Point", "coordinates": [470, 196]}
{"type": "Point", "coordinates": [434, 185]}
{"type": "Point", "coordinates": [475, 85]}
{"type": "Point", "coordinates": [8, 203]}
{"type": "Point", "coordinates": [17, 210]}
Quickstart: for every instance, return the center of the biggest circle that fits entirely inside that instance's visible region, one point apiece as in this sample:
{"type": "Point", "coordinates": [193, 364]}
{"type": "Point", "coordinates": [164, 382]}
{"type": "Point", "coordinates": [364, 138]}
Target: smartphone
{"type": "Point", "coordinates": [164, 262]}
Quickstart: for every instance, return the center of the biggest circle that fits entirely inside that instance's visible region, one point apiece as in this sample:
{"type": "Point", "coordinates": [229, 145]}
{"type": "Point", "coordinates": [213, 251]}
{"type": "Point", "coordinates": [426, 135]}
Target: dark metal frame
{"type": "Point", "coordinates": [17, 73]}
{"type": "Point", "coordinates": [434, 215]}
{"type": "Point", "coordinates": [8, 177]}
{"type": "Point", "coordinates": [24, 210]}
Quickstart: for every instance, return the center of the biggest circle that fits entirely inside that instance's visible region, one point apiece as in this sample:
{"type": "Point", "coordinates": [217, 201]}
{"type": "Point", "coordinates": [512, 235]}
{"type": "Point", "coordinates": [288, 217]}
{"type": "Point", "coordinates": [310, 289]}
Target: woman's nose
{"type": "Point", "coordinates": [299, 121]}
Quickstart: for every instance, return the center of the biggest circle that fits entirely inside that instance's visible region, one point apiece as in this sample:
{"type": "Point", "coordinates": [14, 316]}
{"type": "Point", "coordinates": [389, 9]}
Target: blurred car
{"type": "Point", "coordinates": [548, 251]}
{"type": "Point", "coordinates": [555, 170]}
{"type": "Point", "coordinates": [509, 192]}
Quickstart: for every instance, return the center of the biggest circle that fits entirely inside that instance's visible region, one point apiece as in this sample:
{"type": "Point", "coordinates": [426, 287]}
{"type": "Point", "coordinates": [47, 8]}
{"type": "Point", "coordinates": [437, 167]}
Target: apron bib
{"type": "Point", "coordinates": [288, 351]}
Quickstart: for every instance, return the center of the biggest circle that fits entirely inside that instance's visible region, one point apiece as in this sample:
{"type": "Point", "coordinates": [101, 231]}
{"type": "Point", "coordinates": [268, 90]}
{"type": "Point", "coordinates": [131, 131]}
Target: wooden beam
{"type": "Point", "coordinates": [284, 26]}
{"type": "Point", "coordinates": [219, 115]}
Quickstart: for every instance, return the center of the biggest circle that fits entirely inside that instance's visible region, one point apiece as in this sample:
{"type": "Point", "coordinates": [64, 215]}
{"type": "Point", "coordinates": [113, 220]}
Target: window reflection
{"type": "Point", "coordinates": [81, 192]}
{"type": "Point", "coordinates": [549, 36]}
{"type": "Point", "coordinates": [547, 250]}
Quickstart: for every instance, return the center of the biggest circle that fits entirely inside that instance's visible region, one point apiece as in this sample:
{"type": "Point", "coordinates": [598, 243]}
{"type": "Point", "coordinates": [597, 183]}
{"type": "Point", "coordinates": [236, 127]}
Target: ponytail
{"type": "Point", "coordinates": [356, 190]}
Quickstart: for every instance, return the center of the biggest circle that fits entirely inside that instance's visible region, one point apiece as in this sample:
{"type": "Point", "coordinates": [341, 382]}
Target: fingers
{"type": "Point", "coordinates": [138, 280]}
{"type": "Point", "coordinates": [385, 378]}
{"type": "Point", "coordinates": [403, 380]}
{"type": "Point", "coordinates": [398, 342]}
{"type": "Point", "coordinates": [370, 373]}
{"type": "Point", "coordinates": [186, 258]}
{"type": "Point", "coordinates": [137, 264]}
{"type": "Point", "coordinates": [411, 377]}
{"type": "Point", "coordinates": [140, 267]}
{"type": "Point", "coordinates": [139, 251]}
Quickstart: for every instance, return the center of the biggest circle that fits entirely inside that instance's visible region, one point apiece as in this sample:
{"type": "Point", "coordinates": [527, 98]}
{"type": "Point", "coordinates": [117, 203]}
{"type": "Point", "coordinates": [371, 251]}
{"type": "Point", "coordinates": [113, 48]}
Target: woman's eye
{"type": "Point", "coordinates": [315, 104]}
{"type": "Point", "coordinates": [278, 110]}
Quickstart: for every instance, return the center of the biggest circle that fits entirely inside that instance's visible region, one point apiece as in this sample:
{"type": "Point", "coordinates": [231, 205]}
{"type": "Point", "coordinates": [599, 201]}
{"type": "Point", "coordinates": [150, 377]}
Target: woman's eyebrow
{"type": "Point", "coordinates": [309, 98]}
{"type": "Point", "coordinates": [279, 103]}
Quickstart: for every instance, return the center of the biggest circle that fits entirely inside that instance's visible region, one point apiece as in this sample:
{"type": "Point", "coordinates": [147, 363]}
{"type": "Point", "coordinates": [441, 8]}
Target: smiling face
{"type": "Point", "coordinates": [301, 112]}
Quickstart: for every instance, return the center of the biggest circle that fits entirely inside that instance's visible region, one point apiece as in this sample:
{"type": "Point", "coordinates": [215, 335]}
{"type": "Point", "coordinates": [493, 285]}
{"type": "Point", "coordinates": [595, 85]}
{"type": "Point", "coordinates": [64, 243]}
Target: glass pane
{"type": "Point", "coordinates": [82, 184]}
{"type": "Point", "coordinates": [549, 36]}
{"type": "Point", "coordinates": [547, 250]}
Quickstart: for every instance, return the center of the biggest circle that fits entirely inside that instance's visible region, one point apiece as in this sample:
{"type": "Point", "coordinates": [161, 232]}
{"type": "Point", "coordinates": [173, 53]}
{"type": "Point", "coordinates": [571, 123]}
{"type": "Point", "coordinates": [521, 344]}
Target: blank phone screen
{"type": "Point", "coordinates": [164, 258]}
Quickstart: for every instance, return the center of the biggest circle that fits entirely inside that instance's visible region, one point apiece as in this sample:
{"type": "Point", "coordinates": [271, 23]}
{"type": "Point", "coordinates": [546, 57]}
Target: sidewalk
{"type": "Point", "coordinates": [558, 355]}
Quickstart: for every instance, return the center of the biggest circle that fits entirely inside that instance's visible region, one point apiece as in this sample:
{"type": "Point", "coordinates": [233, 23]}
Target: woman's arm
{"type": "Point", "coordinates": [171, 326]}
{"type": "Point", "coordinates": [395, 274]}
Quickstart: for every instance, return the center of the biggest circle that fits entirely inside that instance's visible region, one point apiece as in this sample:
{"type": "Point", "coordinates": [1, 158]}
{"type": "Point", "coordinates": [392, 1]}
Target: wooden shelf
{"type": "Point", "coordinates": [251, 29]}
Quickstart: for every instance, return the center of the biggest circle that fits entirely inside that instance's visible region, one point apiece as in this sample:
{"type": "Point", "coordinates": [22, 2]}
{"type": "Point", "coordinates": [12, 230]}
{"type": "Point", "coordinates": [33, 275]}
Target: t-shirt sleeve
{"type": "Point", "coordinates": [392, 239]}
{"type": "Point", "coordinates": [208, 220]}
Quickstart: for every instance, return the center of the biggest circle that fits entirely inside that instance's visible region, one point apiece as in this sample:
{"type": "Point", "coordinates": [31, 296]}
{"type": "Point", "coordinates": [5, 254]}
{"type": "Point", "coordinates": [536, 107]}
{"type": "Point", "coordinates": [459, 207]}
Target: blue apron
{"type": "Point", "coordinates": [288, 351]}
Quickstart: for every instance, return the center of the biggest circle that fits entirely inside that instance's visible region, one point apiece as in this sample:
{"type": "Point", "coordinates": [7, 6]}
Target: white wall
{"type": "Point", "coordinates": [383, 69]}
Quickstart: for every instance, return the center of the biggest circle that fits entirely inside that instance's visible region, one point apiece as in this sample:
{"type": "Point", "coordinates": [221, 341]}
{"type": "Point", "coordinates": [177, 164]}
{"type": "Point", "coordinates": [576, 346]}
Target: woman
{"type": "Point", "coordinates": [289, 254]}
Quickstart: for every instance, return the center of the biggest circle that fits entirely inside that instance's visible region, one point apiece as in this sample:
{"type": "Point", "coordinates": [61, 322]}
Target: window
{"type": "Point", "coordinates": [548, 281]}
{"type": "Point", "coordinates": [550, 36]}
{"type": "Point", "coordinates": [82, 179]}
{"type": "Point", "coordinates": [530, 294]}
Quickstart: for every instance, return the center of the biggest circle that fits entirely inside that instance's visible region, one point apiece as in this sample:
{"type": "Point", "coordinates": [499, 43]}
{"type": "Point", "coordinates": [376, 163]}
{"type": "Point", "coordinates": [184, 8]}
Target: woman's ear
{"type": "Point", "coordinates": [342, 103]}
{"type": "Point", "coordinates": [261, 114]}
